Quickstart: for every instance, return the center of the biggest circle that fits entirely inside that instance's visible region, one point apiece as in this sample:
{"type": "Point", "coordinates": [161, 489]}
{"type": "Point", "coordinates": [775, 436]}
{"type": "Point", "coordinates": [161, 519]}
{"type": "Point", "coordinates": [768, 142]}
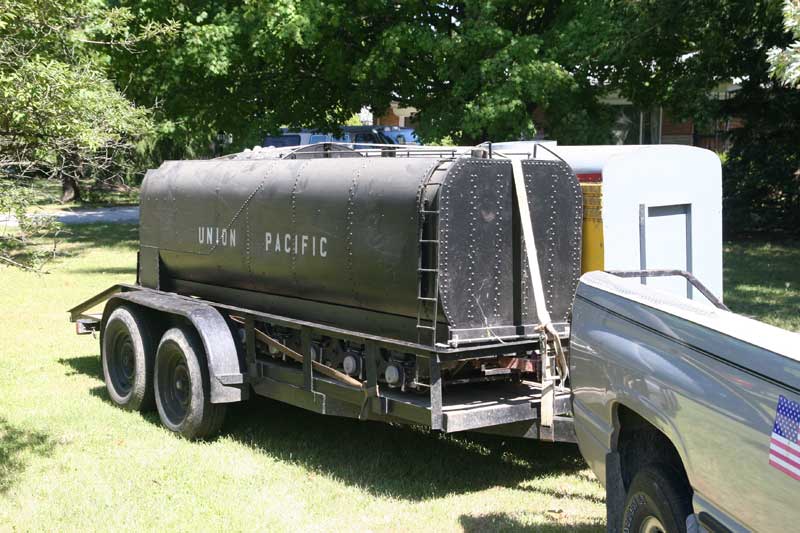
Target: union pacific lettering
{"type": "Point", "coordinates": [293, 243]}
{"type": "Point", "coordinates": [216, 236]}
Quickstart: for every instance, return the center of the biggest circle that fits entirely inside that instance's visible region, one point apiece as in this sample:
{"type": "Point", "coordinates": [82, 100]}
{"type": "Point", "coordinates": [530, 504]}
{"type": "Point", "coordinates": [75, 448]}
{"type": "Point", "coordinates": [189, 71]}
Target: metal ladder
{"type": "Point", "coordinates": [428, 274]}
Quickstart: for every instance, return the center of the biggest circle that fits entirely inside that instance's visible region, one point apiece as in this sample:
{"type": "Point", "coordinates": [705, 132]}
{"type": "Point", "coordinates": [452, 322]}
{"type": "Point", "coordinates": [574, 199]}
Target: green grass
{"type": "Point", "coordinates": [762, 280]}
{"type": "Point", "coordinates": [69, 460]}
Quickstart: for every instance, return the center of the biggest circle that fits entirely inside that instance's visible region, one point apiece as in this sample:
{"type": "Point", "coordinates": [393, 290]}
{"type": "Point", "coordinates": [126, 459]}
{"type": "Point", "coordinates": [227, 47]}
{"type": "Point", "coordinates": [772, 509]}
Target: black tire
{"type": "Point", "coordinates": [127, 354]}
{"type": "Point", "coordinates": [659, 500]}
{"type": "Point", "coordinates": [181, 386]}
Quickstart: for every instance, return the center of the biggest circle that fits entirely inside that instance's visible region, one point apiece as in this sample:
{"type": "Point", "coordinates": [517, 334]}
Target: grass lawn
{"type": "Point", "coordinates": [763, 281]}
{"type": "Point", "coordinates": [69, 460]}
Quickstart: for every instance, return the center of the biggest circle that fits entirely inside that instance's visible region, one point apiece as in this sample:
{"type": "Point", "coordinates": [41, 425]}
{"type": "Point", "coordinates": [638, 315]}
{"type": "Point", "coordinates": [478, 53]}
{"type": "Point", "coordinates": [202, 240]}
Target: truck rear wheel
{"type": "Point", "coordinates": [182, 388]}
{"type": "Point", "coordinates": [657, 502]}
{"type": "Point", "coordinates": [127, 357]}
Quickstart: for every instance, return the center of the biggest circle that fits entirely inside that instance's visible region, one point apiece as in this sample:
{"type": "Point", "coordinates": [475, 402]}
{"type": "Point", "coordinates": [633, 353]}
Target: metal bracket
{"type": "Point", "coordinates": [308, 358]}
{"type": "Point", "coordinates": [436, 394]}
{"type": "Point", "coordinates": [250, 341]}
{"type": "Point", "coordinates": [372, 390]}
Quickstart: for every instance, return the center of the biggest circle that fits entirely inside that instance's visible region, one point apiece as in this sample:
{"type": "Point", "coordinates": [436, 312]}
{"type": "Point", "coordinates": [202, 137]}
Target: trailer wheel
{"type": "Point", "coordinates": [658, 502]}
{"type": "Point", "coordinates": [127, 357]}
{"type": "Point", "coordinates": [181, 386]}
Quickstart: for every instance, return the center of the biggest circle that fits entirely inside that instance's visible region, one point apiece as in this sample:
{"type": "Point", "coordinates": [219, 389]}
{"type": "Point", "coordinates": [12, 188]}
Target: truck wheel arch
{"type": "Point", "coordinates": [640, 442]}
{"type": "Point", "coordinates": [636, 443]}
{"type": "Point", "coordinates": [225, 366]}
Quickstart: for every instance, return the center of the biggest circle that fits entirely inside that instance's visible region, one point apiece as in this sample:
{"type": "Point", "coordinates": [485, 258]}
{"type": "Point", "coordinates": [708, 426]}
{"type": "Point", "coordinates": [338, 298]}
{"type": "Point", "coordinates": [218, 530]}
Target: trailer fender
{"type": "Point", "coordinates": [227, 382]}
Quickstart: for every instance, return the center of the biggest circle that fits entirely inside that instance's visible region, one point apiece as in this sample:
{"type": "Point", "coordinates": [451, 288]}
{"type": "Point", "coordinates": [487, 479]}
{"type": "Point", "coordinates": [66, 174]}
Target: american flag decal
{"type": "Point", "coordinates": [784, 447]}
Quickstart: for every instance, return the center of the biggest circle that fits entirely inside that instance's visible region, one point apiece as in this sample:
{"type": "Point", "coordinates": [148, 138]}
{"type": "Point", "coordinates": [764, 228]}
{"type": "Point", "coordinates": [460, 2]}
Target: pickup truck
{"type": "Point", "coordinates": [686, 412]}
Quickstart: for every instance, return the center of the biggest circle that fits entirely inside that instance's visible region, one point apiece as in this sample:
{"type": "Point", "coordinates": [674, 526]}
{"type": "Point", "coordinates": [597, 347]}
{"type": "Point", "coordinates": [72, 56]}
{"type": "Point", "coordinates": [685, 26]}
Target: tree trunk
{"type": "Point", "coordinates": [70, 190]}
{"type": "Point", "coordinates": [71, 171]}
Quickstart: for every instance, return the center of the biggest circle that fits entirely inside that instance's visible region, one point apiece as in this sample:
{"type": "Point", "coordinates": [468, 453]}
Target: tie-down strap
{"type": "Point", "coordinates": [542, 313]}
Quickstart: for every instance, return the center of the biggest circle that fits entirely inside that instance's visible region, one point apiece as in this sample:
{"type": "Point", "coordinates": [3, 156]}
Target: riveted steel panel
{"type": "Point", "coordinates": [556, 205]}
{"type": "Point", "coordinates": [479, 275]}
{"type": "Point", "coordinates": [338, 231]}
{"type": "Point", "coordinates": [475, 255]}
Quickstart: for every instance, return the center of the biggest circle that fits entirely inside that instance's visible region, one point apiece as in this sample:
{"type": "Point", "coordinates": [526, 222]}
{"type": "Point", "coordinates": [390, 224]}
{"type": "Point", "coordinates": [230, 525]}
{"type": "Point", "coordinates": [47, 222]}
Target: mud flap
{"type": "Point", "coordinates": [615, 493]}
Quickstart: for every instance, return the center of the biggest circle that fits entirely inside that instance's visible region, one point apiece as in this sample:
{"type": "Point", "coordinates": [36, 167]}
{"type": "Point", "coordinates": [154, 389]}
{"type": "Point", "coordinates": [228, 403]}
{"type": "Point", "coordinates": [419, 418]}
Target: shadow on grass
{"type": "Point", "coordinates": [561, 494]}
{"type": "Point", "coordinates": [16, 444]}
{"type": "Point", "coordinates": [106, 270]}
{"type": "Point", "coordinates": [88, 365]}
{"type": "Point", "coordinates": [102, 394]}
{"type": "Point", "coordinates": [406, 462]}
{"type": "Point", "coordinates": [75, 239]}
{"type": "Point", "coordinates": [411, 463]}
{"type": "Point", "coordinates": [102, 235]}
{"type": "Point", "coordinates": [48, 192]}
{"type": "Point", "coordinates": [506, 523]}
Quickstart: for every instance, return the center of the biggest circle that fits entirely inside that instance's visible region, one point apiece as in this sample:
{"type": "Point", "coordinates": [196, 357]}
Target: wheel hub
{"type": "Point", "coordinates": [651, 524]}
{"type": "Point", "coordinates": [122, 361]}
{"type": "Point", "coordinates": [174, 383]}
{"type": "Point", "coordinates": [182, 385]}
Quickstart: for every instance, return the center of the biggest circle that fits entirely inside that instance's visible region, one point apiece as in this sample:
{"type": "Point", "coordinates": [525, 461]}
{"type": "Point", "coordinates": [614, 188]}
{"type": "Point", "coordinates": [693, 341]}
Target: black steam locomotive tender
{"type": "Point", "coordinates": [400, 289]}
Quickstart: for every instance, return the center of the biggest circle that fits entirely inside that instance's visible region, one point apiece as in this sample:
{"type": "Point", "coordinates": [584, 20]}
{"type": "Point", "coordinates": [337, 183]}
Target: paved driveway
{"type": "Point", "coordinates": [123, 214]}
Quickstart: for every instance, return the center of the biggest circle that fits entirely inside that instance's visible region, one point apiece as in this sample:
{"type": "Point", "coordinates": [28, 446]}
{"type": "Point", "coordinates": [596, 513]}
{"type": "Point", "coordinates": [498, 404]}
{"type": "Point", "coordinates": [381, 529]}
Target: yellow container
{"type": "Point", "coordinates": [592, 248]}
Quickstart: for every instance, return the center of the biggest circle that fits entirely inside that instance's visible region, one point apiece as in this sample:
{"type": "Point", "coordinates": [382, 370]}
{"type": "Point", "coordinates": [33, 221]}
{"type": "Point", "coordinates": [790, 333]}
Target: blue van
{"type": "Point", "coordinates": [401, 135]}
{"type": "Point", "coordinates": [350, 134]}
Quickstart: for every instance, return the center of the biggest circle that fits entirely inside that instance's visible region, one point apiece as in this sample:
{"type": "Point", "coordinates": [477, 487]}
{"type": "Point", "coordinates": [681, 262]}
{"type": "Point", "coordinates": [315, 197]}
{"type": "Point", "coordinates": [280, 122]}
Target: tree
{"type": "Point", "coordinates": [477, 70]}
{"type": "Point", "coordinates": [671, 53]}
{"type": "Point", "coordinates": [785, 62]}
{"type": "Point", "coordinates": [677, 54]}
{"type": "Point", "coordinates": [60, 115]}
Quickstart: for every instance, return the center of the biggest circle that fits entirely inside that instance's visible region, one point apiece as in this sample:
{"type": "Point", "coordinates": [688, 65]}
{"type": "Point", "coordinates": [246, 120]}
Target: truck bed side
{"type": "Point", "coordinates": [708, 380]}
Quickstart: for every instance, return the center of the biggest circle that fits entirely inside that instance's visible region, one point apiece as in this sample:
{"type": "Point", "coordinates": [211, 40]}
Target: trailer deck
{"type": "Point", "coordinates": [510, 408]}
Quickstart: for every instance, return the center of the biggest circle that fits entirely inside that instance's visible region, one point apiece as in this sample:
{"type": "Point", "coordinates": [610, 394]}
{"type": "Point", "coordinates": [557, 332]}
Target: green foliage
{"type": "Point", "coordinates": [785, 62]}
{"type": "Point", "coordinates": [761, 175]}
{"type": "Point", "coordinates": [671, 53]}
{"type": "Point", "coordinates": [21, 228]}
{"type": "Point", "coordinates": [203, 80]}
{"type": "Point", "coordinates": [476, 70]}
{"type": "Point", "coordinates": [355, 120]}
{"type": "Point", "coordinates": [60, 114]}
{"type": "Point", "coordinates": [679, 55]}
{"type": "Point", "coordinates": [56, 101]}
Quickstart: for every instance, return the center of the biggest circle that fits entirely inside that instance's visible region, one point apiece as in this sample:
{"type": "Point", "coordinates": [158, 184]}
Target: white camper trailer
{"type": "Point", "coordinates": [646, 207]}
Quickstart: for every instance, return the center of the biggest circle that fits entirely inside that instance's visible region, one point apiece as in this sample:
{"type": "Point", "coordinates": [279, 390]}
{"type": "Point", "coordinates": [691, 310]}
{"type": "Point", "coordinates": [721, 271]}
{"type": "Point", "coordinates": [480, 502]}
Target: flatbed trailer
{"type": "Point", "coordinates": [371, 284]}
{"type": "Point", "coordinates": [504, 408]}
